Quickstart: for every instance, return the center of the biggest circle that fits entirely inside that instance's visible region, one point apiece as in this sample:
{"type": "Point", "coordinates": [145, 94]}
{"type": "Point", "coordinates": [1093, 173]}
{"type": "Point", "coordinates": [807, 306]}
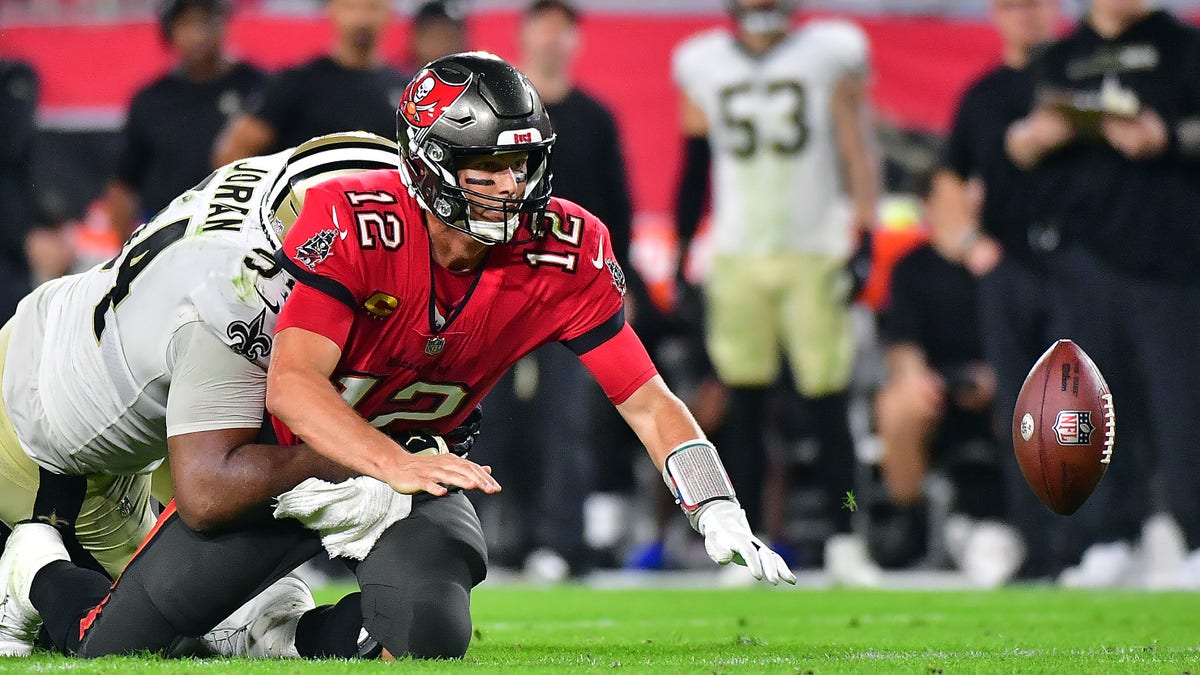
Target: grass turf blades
{"type": "Point", "coordinates": [1024, 630]}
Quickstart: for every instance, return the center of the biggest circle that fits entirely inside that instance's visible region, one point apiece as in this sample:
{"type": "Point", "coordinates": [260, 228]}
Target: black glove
{"type": "Point", "coordinates": [462, 437]}
{"type": "Point", "coordinates": [859, 266]}
{"type": "Point", "coordinates": [458, 441]}
{"type": "Point", "coordinates": [688, 313]}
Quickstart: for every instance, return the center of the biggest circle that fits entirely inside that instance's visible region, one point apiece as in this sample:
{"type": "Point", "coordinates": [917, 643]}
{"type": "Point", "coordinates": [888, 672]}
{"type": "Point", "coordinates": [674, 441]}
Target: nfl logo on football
{"type": "Point", "coordinates": [1074, 427]}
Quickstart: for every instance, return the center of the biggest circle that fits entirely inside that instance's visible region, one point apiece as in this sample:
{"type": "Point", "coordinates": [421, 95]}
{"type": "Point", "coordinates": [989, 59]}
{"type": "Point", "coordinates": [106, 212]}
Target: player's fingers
{"type": "Point", "coordinates": [770, 569]}
{"type": "Point", "coordinates": [457, 476]}
{"type": "Point", "coordinates": [781, 571]}
{"type": "Point", "coordinates": [434, 488]}
{"type": "Point", "coordinates": [785, 572]}
{"type": "Point", "coordinates": [750, 559]}
{"type": "Point", "coordinates": [486, 482]}
{"type": "Point", "coordinates": [481, 473]}
{"type": "Point", "coordinates": [469, 476]}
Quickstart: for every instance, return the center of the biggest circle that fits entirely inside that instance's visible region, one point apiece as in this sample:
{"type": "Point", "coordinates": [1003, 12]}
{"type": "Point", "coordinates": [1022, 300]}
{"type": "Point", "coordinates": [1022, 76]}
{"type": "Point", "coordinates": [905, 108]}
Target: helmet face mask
{"type": "Point", "coordinates": [466, 106]}
{"type": "Point", "coordinates": [762, 19]}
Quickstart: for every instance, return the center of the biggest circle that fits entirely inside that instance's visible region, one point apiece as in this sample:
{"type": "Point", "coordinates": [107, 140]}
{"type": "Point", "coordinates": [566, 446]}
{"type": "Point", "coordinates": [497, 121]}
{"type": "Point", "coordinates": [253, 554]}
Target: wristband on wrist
{"type": "Point", "coordinates": [695, 475]}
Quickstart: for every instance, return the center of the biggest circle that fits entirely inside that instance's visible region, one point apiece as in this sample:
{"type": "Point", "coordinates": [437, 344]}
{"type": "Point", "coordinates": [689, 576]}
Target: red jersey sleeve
{"type": "Point", "coordinates": [322, 251]}
{"type": "Point", "coordinates": [312, 310]}
{"type": "Point", "coordinates": [620, 365]}
{"type": "Point", "coordinates": [595, 310]}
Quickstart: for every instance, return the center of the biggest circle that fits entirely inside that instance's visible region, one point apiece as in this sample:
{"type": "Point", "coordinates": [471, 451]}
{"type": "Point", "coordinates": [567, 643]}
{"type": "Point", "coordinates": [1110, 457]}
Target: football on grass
{"type": "Point", "coordinates": [1064, 427]}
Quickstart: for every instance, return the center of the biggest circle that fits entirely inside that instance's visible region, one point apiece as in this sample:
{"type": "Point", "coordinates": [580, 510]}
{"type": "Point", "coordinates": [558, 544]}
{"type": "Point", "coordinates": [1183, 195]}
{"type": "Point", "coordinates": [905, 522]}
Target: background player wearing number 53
{"type": "Point", "coordinates": [779, 114]}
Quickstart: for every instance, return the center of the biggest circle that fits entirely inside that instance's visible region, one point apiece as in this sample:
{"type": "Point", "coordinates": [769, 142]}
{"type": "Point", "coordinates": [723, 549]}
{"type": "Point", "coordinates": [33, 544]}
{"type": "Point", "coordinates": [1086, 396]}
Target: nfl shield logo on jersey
{"type": "Point", "coordinates": [1074, 427]}
{"type": "Point", "coordinates": [435, 345]}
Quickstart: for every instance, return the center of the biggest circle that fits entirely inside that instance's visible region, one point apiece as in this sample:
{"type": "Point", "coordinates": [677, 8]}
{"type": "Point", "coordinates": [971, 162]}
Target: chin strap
{"type": "Point", "coordinates": [694, 474]}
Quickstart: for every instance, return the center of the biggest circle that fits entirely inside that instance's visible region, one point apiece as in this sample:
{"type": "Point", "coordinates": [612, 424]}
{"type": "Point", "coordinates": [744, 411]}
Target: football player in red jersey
{"type": "Point", "coordinates": [415, 291]}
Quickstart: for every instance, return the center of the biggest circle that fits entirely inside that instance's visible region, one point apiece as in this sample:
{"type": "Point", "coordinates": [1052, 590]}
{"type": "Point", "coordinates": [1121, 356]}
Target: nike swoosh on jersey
{"type": "Point", "coordinates": [341, 233]}
{"type": "Point", "coordinates": [273, 306]}
{"type": "Point", "coordinates": [598, 261]}
{"type": "Point", "coordinates": [137, 258]}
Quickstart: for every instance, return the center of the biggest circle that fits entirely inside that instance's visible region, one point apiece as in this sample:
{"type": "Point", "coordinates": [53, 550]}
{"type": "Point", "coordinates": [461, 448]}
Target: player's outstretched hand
{"type": "Point", "coordinates": [727, 538]}
{"type": "Point", "coordinates": [434, 473]}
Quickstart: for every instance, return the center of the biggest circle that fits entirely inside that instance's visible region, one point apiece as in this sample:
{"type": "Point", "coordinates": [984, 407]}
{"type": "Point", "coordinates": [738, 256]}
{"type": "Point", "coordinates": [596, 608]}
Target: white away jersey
{"type": "Point", "coordinates": [777, 181]}
{"type": "Point", "coordinates": [90, 357]}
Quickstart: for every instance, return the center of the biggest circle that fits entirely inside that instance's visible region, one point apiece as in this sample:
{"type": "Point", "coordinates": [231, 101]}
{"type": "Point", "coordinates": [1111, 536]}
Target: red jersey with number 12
{"type": "Point", "coordinates": [362, 240]}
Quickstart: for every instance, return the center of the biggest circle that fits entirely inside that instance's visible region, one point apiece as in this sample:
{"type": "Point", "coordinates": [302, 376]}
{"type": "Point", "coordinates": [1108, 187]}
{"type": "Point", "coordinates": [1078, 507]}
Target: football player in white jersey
{"type": "Point", "coordinates": [778, 119]}
{"type": "Point", "coordinates": [159, 352]}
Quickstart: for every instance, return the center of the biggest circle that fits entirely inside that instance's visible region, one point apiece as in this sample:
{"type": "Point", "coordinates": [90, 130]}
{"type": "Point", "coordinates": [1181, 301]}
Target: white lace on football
{"type": "Point", "coordinates": [1110, 427]}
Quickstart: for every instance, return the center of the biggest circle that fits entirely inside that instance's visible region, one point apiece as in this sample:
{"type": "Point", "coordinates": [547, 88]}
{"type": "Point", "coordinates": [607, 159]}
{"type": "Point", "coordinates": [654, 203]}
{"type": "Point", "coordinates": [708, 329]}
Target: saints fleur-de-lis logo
{"type": "Point", "coordinates": [249, 339]}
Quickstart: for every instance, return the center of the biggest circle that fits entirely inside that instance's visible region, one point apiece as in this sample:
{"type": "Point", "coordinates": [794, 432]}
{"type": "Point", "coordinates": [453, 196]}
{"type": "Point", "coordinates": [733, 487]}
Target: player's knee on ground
{"type": "Point", "coordinates": [416, 581]}
{"type": "Point", "coordinates": [425, 620]}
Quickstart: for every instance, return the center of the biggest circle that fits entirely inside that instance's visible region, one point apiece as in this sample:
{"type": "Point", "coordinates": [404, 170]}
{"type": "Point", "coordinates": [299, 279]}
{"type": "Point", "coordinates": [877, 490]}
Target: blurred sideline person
{"type": "Point", "coordinates": [404, 323]}
{"type": "Point", "coordinates": [933, 411]}
{"type": "Point", "coordinates": [782, 118]}
{"type": "Point", "coordinates": [18, 120]}
{"type": "Point", "coordinates": [160, 352]}
{"type": "Point", "coordinates": [173, 121]}
{"type": "Point", "coordinates": [997, 240]}
{"type": "Point", "coordinates": [350, 89]}
{"type": "Point", "coordinates": [1112, 139]}
{"type": "Point", "coordinates": [439, 28]}
{"type": "Point", "coordinates": [548, 432]}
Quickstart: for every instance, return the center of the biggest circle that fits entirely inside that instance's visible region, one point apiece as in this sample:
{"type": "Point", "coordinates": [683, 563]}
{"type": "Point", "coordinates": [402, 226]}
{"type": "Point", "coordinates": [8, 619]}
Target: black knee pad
{"type": "Point", "coordinates": [425, 620]}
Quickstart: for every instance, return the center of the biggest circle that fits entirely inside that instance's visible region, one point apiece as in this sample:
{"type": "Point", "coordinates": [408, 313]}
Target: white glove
{"type": "Point", "coordinates": [350, 516]}
{"type": "Point", "coordinates": [727, 538]}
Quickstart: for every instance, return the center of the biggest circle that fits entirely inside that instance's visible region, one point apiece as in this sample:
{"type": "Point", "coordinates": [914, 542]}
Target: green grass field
{"type": "Point", "coordinates": [1029, 630]}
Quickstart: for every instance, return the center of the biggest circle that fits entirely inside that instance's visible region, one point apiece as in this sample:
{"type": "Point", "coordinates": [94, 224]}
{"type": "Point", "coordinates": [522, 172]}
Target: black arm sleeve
{"type": "Point", "coordinates": [278, 101]}
{"type": "Point", "coordinates": [692, 197]}
{"type": "Point", "coordinates": [956, 155]}
{"type": "Point", "coordinates": [134, 156]}
{"type": "Point", "coordinates": [1184, 131]}
{"type": "Point", "coordinates": [18, 129]}
{"type": "Point", "coordinates": [618, 208]}
{"type": "Point", "coordinates": [17, 112]}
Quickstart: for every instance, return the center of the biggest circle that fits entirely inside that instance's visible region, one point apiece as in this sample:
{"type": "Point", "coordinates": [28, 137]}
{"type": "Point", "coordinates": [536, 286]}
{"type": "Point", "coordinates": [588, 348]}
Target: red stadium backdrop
{"type": "Point", "coordinates": [89, 73]}
{"type": "Point", "coordinates": [920, 66]}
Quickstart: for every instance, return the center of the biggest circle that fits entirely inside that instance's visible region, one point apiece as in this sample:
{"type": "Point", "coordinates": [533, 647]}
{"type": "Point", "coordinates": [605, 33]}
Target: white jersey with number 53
{"type": "Point", "coordinates": [777, 183]}
{"type": "Point", "coordinates": [92, 357]}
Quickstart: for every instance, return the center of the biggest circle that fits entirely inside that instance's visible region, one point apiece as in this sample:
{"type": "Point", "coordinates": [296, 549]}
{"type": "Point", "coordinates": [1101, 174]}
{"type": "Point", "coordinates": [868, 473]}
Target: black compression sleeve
{"type": "Point", "coordinates": [692, 197]}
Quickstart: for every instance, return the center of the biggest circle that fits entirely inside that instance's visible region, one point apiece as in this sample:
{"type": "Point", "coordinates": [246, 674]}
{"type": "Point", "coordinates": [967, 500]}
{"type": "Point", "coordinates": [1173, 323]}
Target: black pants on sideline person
{"type": "Point", "coordinates": [539, 447]}
{"type": "Point", "coordinates": [1142, 336]}
{"type": "Point", "coordinates": [1013, 326]}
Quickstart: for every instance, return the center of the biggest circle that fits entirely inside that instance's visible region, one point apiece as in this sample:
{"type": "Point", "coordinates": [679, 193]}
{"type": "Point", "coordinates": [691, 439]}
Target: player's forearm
{"type": "Point", "coordinates": [863, 182]}
{"type": "Point", "coordinates": [310, 406]}
{"type": "Point", "coordinates": [853, 129]}
{"type": "Point", "coordinates": [243, 137]}
{"type": "Point", "coordinates": [952, 220]}
{"type": "Point", "coordinates": [1023, 146]}
{"type": "Point", "coordinates": [121, 203]}
{"type": "Point", "coordinates": [660, 420]}
{"type": "Point", "coordinates": [236, 488]}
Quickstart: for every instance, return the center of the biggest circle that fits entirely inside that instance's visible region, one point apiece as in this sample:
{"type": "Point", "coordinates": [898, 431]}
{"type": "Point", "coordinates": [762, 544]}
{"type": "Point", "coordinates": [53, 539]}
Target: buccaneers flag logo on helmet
{"type": "Point", "coordinates": [427, 97]}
